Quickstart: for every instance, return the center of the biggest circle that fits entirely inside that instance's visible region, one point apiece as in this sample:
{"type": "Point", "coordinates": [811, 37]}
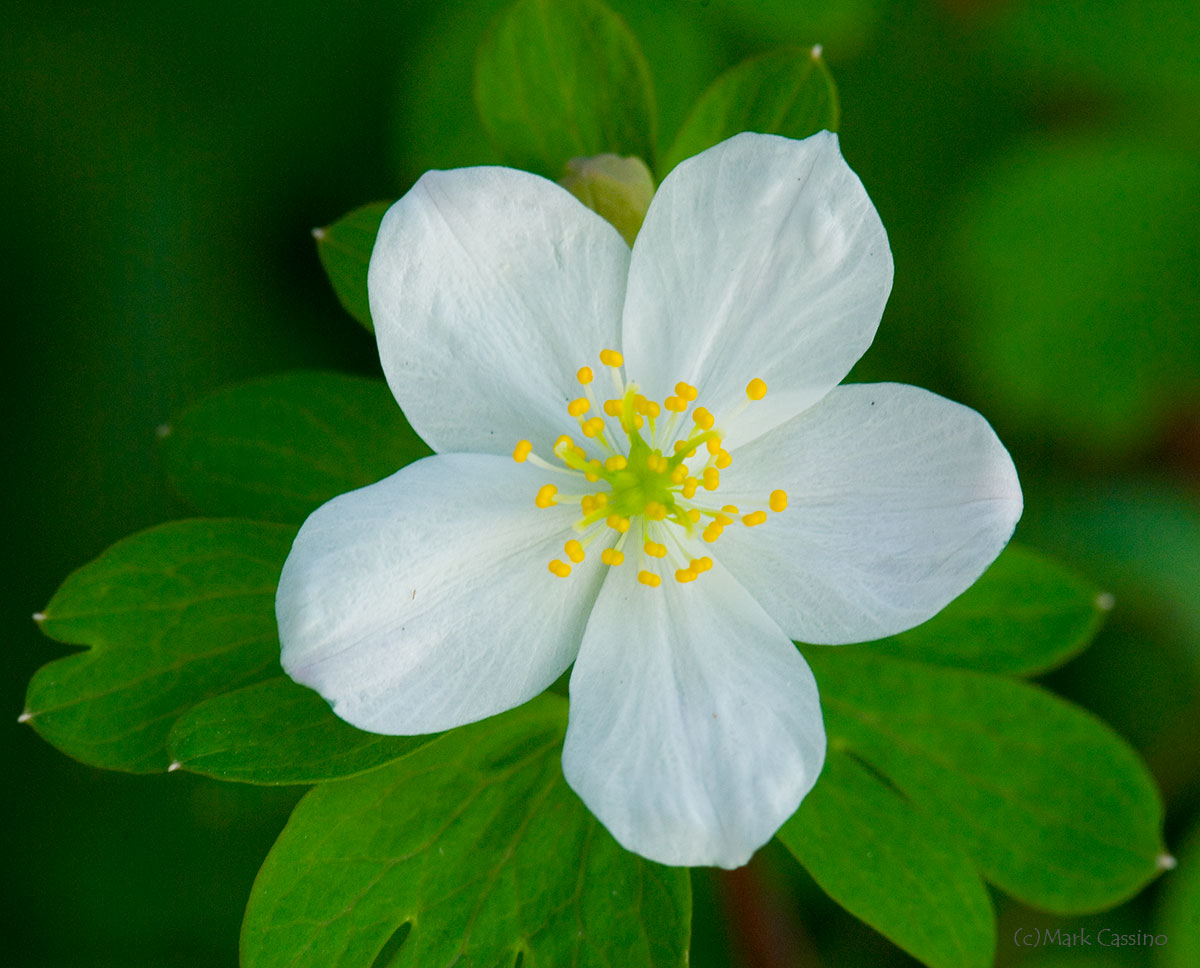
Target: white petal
{"type": "Point", "coordinates": [695, 728]}
{"type": "Point", "coordinates": [761, 257]}
{"type": "Point", "coordinates": [489, 289]}
{"type": "Point", "coordinates": [424, 602]}
{"type": "Point", "coordinates": [898, 500]}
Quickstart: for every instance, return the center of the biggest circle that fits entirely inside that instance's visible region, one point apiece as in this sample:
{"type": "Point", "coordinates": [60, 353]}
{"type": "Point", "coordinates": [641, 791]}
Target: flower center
{"type": "Point", "coordinates": [644, 477]}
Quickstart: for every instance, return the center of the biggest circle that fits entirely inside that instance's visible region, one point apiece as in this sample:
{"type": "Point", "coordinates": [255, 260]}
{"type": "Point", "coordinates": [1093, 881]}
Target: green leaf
{"type": "Point", "coordinates": [344, 249]}
{"type": "Point", "coordinates": [1025, 615]}
{"type": "Point", "coordinates": [875, 854]}
{"type": "Point", "coordinates": [1078, 262]}
{"type": "Point", "coordinates": [172, 616]}
{"type": "Point", "coordinates": [1054, 807]}
{"type": "Point", "coordinates": [1179, 915]}
{"type": "Point", "coordinates": [788, 92]}
{"type": "Point", "coordinates": [277, 448]}
{"type": "Point", "coordinates": [277, 732]}
{"type": "Point", "coordinates": [563, 79]}
{"type": "Point", "coordinates": [477, 844]}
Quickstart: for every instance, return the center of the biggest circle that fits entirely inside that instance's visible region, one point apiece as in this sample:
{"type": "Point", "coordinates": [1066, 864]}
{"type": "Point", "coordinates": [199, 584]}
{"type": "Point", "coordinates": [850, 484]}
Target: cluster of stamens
{"type": "Point", "coordinates": [651, 485]}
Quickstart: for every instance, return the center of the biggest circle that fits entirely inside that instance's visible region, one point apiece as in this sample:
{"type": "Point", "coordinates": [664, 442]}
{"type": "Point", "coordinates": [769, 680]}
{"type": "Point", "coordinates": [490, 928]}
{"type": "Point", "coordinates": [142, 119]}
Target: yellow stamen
{"type": "Point", "coordinates": [675, 404]}
{"type": "Point", "coordinates": [712, 478]}
{"type": "Point", "coordinates": [655, 511]}
{"type": "Point", "coordinates": [584, 376]}
{"type": "Point", "coordinates": [685, 448]}
{"type": "Point", "coordinates": [713, 444]}
{"type": "Point", "coordinates": [563, 441]}
{"type": "Point", "coordinates": [699, 565]}
{"type": "Point", "coordinates": [693, 515]}
{"type": "Point", "coordinates": [610, 556]}
{"type": "Point", "coordinates": [574, 550]}
{"type": "Point", "coordinates": [612, 408]}
{"type": "Point", "coordinates": [587, 504]}
{"type": "Point", "coordinates": [545, 496]}
{"type": "Point", "coordinates": [685, 575]}
{"type": "Point", "coordinates": [654, 549]}
{"type": "Point", "coordinates": [679, 475]}
{"type": "Point", "coordinates": [615, 463]}
{"type": "Point", "coordinates": [730, 509]}
{"type": "Point", "coordinates": [704, 419]}
{"type": "Point", "coordinates": [753, 518]}
{"type": "Point", "coordinates": [611, 358]}
{"type": "Point", "coordinates": [689, 487]}
{"type": "Point", "coordinates": [723, 460]}
{"type": "Point", "coordinates": [593, 426]}
{"type": "Point", "coordinates": [649, 578]}
{"type": "Point", "coordinates": [593, 475]}
{"type": "Point", "coordinates": [601, 499]}
{"type": "Point", "coordinates": [712, 532]}
{"type": "Point", "coordinates": [686, 390]}
{"type": "Point", "coordinates": [579, 406]}
{"type": "Point", "coordinates": [778, 500]}
{"type": "Point", "coordinates": [523, 449]}
{"type": "Point", "coordinates": [756, 389]}
{"type": "Point", "coordinates": [617, 523]}
{"type": "Point", "coordinates": [560, 568]}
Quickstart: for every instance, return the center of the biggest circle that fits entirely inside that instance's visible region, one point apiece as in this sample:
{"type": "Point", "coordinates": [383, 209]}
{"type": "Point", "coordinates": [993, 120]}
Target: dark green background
{"type": "Point", "coordinates": [162, 167]}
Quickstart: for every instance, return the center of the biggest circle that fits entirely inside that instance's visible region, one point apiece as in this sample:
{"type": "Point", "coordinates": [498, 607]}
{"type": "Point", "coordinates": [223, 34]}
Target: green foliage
{"type": "Point", "coordinates": [1079, 259]}
{"type": "Point", "coordinates": [172, 616]}
{"type": "Point", "coordinates": [1054, 808]}
{"type": "Point", "coordinates": [278, 447]}
{"type": "Point", "coordinates": [562, 79]}
{"type": "Point", "coordinates": [276, 732]}
{"type": "Point", "coordinates": [345, 252]}
{"type": "Point", "coordinates": [788, 92]}
{"type": "Point", "coordinates": [1179, 916]}
{"type": "Point", "coordinates": [877, 856]}
{"type": "Point", "coordinates": [1025, 615]}
{"type": "Point", "coordinates": [477, 844]}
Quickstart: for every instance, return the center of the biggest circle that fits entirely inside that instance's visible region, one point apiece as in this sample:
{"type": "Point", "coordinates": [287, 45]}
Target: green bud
{"type": "Point", "coordinates": [619, 189]}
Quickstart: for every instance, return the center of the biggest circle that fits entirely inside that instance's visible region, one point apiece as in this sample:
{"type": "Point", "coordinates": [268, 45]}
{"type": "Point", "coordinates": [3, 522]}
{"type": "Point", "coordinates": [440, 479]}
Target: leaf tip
{"type": "Point", "coordinates": [1165, 862]}
{"type": "Point", "coordinates": [39, 617]}
{"type": "Point", "coordinates": [1105, 602]}
{"type": "Point", "coordinates": [817, 51]}
{"type": "Point", "coordinates": [27, 715]}
{"type": "Point", "coordinates": [174, 765]}
{"type": "Point", "coordinates": [163, 430]}
{"type": "Point", "coordinates": [319, 234]}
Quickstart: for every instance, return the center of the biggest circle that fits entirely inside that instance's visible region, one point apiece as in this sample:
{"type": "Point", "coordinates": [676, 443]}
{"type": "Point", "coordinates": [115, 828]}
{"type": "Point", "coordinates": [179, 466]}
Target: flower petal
{"type": "Point", "coordinates": [898, 500]}
{"type": "Point", "coordinates": [761, 257]}
{"type": "Point", "coordinates": [695, 728]}
{"type": "Point", "coordinates": [489, 288]}
{"type": "Point", "coordinates": [424, 602]}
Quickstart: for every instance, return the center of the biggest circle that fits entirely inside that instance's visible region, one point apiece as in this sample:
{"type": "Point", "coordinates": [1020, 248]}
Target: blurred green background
{"type": "Point", "coordinates": [1036, 166]}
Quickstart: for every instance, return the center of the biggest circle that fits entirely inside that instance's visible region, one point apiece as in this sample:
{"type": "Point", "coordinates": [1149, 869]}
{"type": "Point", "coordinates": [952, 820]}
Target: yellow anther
{"type": "Point", "coordinates": [704, 419]}
{"type": "Point", "coordinates": [578, 451]}
{"type": "Point", "coordinates": [722, 519]}
{"type": "Point", "coordinates": [563, 441]}
{"type": "Point", "coordinates": [545, 496]}
{"type": "Point", "coordinates": [712, 478]}
{"type": "Point", "coordinates": [579, 406]}
{"type": "Point", "coordinates": [730, 509]}
{"type": "Point", "coordinates": [712, 532]}
{"type": "Point", "coordinates": [778, 500]}
{"type": "Point", "coordinates": [699, 565]}
{"type": "Point", "coordinates": [560, 568]}
{"type": "Point", "coordinates": [593, 426]}
{"type": "Point", "coordinates": [675, 404]}
{"type": "Point", "coordinates": [638, 421]}
{"type": "Point", "coordinates": [617, 523]}
{"type": "Point", "coordinates": [574, 550]}
{"type": "Point", "coordinates": [723, 459]}
{"type": "Point", "coordinates": [693, 515]}
{"type": "Point", "coordinates": [689, 487]}
{"type": "Point", "coordinates": [610, 556]}
{"type": "Point", "coordinates": [654, 549]}
{"type": "Point", "coordinates": [611, 358]}
{"type": "Point", "coordinates": [656, 511]}
{"type": "Point", "coordinates": [756, 389]}
{"type": "Point", "coordinates": [587, 504]}
{"type": "Point", "coordinates": [584, 376]}
{"type": "Point", "coordinates": [593, 475]}
{"type": "Point", "coordinates": [753, 518]}
{"type": "Point", "coordinates": [648, 407]}
{"type": "Point", "coordinates": [612, 408]}
{"type": "Point", "coordinates": [679, 475]}
{"type": "Point", "coordinates": [684, 447]}
{"type": "Point", "coordinates": [713, 445]}
{"type": "Point", "coordinates": [686, 390]}
{"type": "Point", "coordinates": [523, 449]}
{"type": "Point", "coordinates": [615, 463]}
{"type": "Point", "coordinates": [649, 578]}
{"type": "Point", "coordinates": [601, 499]}
{"type": "Point", "coordinates": [685, 575]}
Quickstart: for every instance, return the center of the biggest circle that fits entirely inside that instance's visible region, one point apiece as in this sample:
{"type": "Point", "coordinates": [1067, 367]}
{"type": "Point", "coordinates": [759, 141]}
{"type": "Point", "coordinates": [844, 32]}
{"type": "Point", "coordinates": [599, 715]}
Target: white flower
{"type": "Point", "coordinates": [507, 315]}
